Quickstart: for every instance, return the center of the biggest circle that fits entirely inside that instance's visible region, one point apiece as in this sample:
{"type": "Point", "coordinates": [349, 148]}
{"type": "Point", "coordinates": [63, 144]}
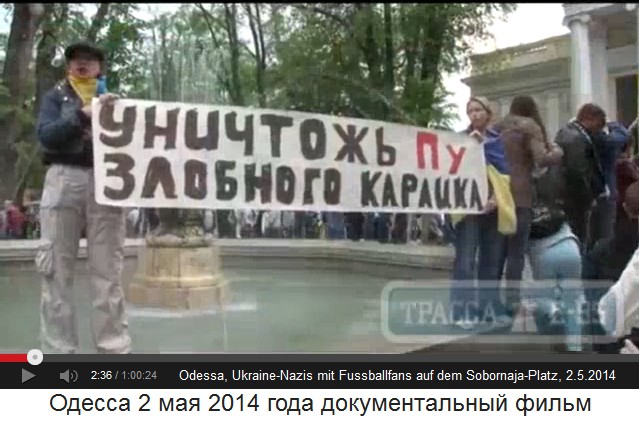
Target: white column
{"type": "Point", "coordinates": [611, 111]}
{"type": "Point", "coordinates": [504, 106]}
{"type": "Point", "coordinates": [598, 37]}
{"type": "Point", "coordinates": [553, 111]}
{"type": "Point", "coordinates": [581, 69]}
{"type": "Point", "coordinates": [632, 7]}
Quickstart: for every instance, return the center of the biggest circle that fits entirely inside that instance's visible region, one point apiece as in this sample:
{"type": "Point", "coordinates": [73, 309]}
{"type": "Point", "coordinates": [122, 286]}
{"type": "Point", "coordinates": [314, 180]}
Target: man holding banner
{"type": "Point", "coordinates": [68, 207]}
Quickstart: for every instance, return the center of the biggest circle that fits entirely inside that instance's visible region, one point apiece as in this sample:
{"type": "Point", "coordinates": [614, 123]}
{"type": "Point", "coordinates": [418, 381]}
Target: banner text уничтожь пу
{"type": "Point", "coordinates": [176, 155]}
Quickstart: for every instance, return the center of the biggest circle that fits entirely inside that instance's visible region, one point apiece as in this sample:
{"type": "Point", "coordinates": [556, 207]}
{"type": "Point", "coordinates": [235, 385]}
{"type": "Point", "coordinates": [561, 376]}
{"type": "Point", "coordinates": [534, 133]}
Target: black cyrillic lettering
{"type": "Point", "coordinates": [313, 127]}
{"type": "Point", "coordinates": [309, 176]}
{"type": "Point", "coordinates": [475, 197]}
{"type": "Point", "coordinates": [368, 185]}
{"type": "Point", "coordinates": [442, 193]}
{"type": "Point", "coordinates": [226, 186]}
{"type": "Point", "coordinates": [125, 128]}
{"type": "Point", "coordinates": [332, 186]}
{"type": "Point", "coordinates": [159, 173]}
{"type": "Point", "coordinates": [351, 147]}
{"type": "Point", "coordinates": [151, 130]}
{"type": "Point", "coordinates": [195, 177]}
{"type": "Point", "coordinates": [276, 124]}
{"type": "Point", "coordinates": [384, 150]}
{"type": "Point", "coordinates": [459, 187]}
{"type": "Point", "coordinates": [409, 185]}
{"type": "Point", "coordinates": [252, 182]}
{"type": "Point", "coordinates": [234, 134]}
{"type": "Point", "coordinates": [209, 141]}
{"type": "Point", "coordinates": [125, 164]}
{"type": "Point", "coordinates": [285, 185]}
{"type": "Point", "coordinates": [425, 199]}
{"type": "Point", "coordinates": [388, 195]}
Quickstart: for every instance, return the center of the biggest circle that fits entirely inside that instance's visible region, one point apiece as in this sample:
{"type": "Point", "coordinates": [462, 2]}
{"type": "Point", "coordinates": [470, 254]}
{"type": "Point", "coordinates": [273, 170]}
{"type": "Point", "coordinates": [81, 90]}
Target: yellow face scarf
{"type": "Point", "coordinates": [84, 87]}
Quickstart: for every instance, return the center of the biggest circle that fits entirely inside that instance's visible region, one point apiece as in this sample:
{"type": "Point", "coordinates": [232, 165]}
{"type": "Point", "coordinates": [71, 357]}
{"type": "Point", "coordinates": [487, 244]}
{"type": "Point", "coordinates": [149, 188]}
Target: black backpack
{"type": "Point", "coordinates": [548, 203]}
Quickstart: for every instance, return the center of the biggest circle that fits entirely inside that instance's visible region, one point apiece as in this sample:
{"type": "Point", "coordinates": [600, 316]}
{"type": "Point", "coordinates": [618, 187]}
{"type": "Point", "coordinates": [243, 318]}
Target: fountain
{"type": "Point", "coordinates": [179, 267]}
{"type": "Point", "coordinates": [284, 296]}
{"type": "Point", "coordinates": [295, 296]}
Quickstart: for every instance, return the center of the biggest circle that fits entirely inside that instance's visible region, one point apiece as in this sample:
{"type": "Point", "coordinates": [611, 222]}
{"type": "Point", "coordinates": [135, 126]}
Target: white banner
{"type": "Point", "coordinates": [176, 155]}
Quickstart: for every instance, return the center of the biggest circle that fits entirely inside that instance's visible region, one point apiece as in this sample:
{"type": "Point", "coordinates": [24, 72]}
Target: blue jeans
{"type": "Point", "coordinates": [476, 234]}
{"type": "Point", "coordinates": [557, 303]}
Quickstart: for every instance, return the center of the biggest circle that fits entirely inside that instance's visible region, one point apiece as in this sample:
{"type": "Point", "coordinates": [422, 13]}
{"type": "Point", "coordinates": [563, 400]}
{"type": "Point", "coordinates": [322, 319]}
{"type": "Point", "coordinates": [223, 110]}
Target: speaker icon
{"type": "Point", "coordinates": [69, 376]}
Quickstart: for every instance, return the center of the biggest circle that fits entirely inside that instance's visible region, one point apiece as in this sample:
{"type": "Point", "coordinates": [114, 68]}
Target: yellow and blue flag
{"type": "Point", "coordinates": [498, 173]}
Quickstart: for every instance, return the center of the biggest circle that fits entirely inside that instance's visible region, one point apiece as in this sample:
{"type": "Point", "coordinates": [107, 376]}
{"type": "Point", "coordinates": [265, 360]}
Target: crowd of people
{"type": "Point", "coordinates": [19, 221]}
{"type": "Point", "coordinates": [249, 224]}
{"type": "Point", "coordinates": [570, 207]}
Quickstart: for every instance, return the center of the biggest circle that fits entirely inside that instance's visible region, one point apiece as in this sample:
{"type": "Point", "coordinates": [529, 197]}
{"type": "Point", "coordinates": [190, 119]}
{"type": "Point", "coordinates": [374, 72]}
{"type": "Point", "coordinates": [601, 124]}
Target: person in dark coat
{"type": "Point", "coordinates": [610, 144]}
{"type": "Point", "coordinates": [582, 168]}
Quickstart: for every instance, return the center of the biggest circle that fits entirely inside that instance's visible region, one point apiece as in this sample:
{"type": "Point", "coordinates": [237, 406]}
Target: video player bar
{"type": "Point", "coordinates": [13, 357]}
{"type": "Point", "coordinates": [321, 375]}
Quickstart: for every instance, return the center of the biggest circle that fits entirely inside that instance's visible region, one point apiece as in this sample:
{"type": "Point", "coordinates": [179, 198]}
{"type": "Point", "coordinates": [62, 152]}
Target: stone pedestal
{"type": "Point", "coordinates": [179, 273]}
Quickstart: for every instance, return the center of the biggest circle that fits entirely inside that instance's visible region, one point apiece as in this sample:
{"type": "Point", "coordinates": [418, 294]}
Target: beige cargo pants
{"type": "Point", "coordinates": [68, 206]}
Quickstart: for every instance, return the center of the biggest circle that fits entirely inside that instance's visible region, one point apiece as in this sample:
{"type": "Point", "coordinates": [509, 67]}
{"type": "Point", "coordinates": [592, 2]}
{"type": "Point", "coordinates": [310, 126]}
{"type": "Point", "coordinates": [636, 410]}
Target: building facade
{"type": "Point", "coordinates": [597, 62]}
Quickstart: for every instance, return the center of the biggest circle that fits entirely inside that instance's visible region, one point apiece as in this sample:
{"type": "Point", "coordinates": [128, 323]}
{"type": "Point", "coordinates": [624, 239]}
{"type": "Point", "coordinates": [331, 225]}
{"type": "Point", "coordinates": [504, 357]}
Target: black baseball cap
{"type": "Point", "coordinates": [86, 48]}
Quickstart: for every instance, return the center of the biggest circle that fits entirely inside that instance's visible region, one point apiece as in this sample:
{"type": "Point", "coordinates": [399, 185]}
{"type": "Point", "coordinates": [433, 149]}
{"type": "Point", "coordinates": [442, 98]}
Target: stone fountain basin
{"type": "Point", "coordinates": [288, 296]}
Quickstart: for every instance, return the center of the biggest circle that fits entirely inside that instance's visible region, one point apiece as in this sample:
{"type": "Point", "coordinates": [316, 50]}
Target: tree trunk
{"type": "Point", "coordinates": [223, 77]}
{"type": "Point", "coordinates": [45, 78]}
{"type": "Point", "coordinates": [98, 22]}
{"type": "Point", "coordinates": [15, 77]}
{"type": "Point", "coordinates": [47, 74]}
{"type": "Point", "coordinates": [432, 44]}
{"type": "Point", "coordinates": [255, 24]}
{"type": "Point", "coordinates": [410, 30]}
{"type": "Point", "coordinates": [371, 50]}
{"type": "Point", "coordinates": [389, 59]}
{"type": "Point", "coordinates": [230, 13]}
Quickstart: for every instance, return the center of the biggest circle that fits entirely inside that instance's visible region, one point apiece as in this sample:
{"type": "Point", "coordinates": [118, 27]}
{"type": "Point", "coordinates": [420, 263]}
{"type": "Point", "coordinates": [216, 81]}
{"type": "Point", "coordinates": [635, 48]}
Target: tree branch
{"type": "Point", "coordinates": [98, 21]}
{"type": "Point", "coordinates": [303, 7]}
{"type": "Point", "coordinates": [207, 19]}
{"type": "Point", "coordinates": [259, 60]}
{"type": "Point", "coordinates": [210, 19]}
{"type": "Point", "coordinates": [260, 31]}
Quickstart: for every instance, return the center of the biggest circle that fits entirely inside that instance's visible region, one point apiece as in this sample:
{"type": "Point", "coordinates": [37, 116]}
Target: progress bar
{"type": "Point", "coordinates": [34, 357]}
{"type": "Point", "coordinates": [14, 358]}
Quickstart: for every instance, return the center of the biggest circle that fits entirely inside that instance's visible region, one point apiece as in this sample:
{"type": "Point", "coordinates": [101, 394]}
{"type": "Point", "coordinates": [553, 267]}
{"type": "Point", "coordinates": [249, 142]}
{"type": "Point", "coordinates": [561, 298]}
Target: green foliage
{"type": "Point", "coordinates": [5, 102]}
{"type": "Point", "coordinates": [334, 58]}
{"type": "Point", "coordinates": [4, 39]}
{"type": "Point", "coordinates": [122, 43]}
{"type": "Point", "coordinates": [28, 165]}
{"type": "Point", "coordinates": [362, 60]}
{"type": "Point", "coordinates": [321, 57]}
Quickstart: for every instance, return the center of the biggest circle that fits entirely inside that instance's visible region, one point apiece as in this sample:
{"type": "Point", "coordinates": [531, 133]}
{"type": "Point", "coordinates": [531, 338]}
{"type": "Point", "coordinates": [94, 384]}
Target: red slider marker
{"type": "Point", "coordinates": [13, 358]}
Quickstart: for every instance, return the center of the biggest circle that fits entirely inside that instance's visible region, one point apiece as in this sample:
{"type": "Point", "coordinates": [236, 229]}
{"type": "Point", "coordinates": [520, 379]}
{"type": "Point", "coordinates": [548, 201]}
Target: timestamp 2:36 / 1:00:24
{"type": "Point", "coordinates": [124, 375]}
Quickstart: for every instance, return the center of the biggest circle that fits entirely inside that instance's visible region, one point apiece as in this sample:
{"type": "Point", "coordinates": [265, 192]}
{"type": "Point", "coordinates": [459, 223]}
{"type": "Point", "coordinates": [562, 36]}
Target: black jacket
{"type": "Point", "coordinates": [548, 215]}
{"type": "Point", "coordinates": [64, 131]}
{"type": "Point", "coordinates": [581, 165]}
{"type": "Point", "coordinates": [609, 257]}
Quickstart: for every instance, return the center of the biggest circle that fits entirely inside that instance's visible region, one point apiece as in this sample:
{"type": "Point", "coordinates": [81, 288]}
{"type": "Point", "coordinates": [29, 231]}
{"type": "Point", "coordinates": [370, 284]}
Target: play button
{"type": "Point", "coordinates": [26, 375]}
